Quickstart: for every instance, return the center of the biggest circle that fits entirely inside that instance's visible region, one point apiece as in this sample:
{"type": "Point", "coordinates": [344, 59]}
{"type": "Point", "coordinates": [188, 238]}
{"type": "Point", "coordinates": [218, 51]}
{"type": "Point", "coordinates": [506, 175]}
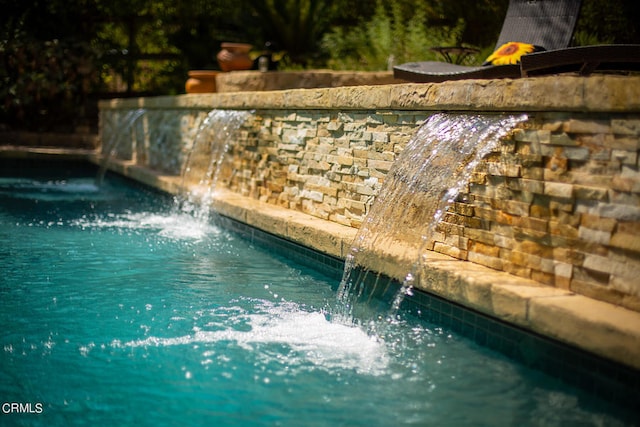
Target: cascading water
{"type": "Point", "coordinates": [116, 136]}
{"type": "Point", "coordinates": [205, 159]}
{"type": "Point", "coordinates": [423, 182]}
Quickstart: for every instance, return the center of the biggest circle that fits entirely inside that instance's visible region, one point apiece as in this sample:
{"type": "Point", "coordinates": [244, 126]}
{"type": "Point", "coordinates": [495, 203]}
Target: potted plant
{"type": "Point", "coordinates": [234, 56]}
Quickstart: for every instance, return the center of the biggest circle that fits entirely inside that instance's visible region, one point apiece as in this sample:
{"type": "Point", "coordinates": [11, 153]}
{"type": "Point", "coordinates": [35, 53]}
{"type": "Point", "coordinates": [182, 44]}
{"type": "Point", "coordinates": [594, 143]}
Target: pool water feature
{"type": "Point", "coordinates": [423, 183]}
{"type": "Point", "coordinates": [205, 158]}
{"type": "Point", "coordinates": [117, 137]}
{"type": "Point", "coordinates": [117, 309]}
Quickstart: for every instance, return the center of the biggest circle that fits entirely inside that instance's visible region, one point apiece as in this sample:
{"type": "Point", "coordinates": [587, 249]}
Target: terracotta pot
{"type": "Point", "coordinates": [201, 81]}
{"type": "Point", "coordinates": [234, 56]}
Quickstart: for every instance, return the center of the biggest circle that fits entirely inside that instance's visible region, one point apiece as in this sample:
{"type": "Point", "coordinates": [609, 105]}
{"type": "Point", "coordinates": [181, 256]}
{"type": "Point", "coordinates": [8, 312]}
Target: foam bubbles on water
{"type": "Point", "coordinates": [302, 338]}
{"type": "Point", "coordinates": [171, 225]}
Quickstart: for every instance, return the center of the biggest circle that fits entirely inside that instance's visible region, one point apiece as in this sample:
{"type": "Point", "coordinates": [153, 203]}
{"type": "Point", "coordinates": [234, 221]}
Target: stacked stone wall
{"type": "Point", "coordinates": [329, 164]}
{"type": "Point", "coordinates": [558, 202]}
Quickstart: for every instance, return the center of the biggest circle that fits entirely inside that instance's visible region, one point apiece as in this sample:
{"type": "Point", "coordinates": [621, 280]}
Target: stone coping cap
{"type": "Point", "coordinates": [597, 93]}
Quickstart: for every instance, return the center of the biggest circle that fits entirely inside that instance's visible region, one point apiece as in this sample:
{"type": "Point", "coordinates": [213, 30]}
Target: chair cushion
{"type": "Point", "coordinates": [510, 53]}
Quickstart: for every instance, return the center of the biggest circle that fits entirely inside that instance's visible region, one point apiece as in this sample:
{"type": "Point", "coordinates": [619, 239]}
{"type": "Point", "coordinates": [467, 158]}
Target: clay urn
{"type": "Point", "coordinates": [234, 56]}
{"type": "Point", "coordinates": [201, 81]}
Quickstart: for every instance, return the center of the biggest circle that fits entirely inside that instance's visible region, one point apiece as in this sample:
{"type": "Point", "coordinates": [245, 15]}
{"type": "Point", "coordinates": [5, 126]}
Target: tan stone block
{"type": "Point", "coordinates": [630, 227]}
{"type": "Point", "coordinates": [562, 139]}
{"type": "Point", "coordinates": [568, 255]}
{"type": "Point", "coordinates": [542, 136]}
{"type": "Point", "coordinates": [626, 157]}
{"type": "Point", "coordinates": [535, 248]}
{"type": "Point", "coordinates": [595, 236]}
{"type": "Point", "coordinates": [516, 208]}
{"type": "Point", "coordinates": [612, 94]}
{"type": "Point", "coordinates": [601, 328]}
{"type": "Point", "coordinates": [524, 259]}
{"type": "Point", "coordinates": [465, 209]}
{"type": "Point", "coordinates": [625, 285]}
{"type": "Point", "coordinates": [552, 124]}
{"type": "Point", "coordinates": [587, 126]}
{"type": "Point", "coordinates": [568, 231]}
{"type": "Point", "coordinates": [484, 249]}
{"type": "Point", "coordinates": [501, 169]}
{"type": "Point", "coordinates": [539, 211]}
{"type": "Point", "coordinates": [597, 263]}
{"type": "Point", "coordinates": [503, 230]}
{"type": "Point", "coordinates": [504, 218]}
{"type": "Point", "coordinates": [627, 185]}
{"type": "Point", "coordinates": [486, 260]}
{"type": "Point", "coordinates": [532, 225]}
{"type": "Point", "coordinates": [527, 185]}
{"type": "Point", "coordinates": [517, 270]}
{"type": "Point", "coordinates": [557, 189]}
{"type": "Point", "coordinates": [583, 275]}
{"type": "Point", "coordinates": [482, 236]}
{"type": "Point", "coordinates": [511, 302]}
{"type": "Point", "coordinates": [503, 242]}
{"type": "Point", "coordinates": [451, 251]}
{"type": "Point", "coordinates": [626, 241]}
{"type": "Point", "coordinates": [625, 126]}
{"type": "Point", "coordinates": [379, 164]}
{"type": "Point", "coordinates": [534, 173]}
{"type": "Point", "coordinates": [563, 269]}
{"type": "Point", "coordinates": [626, 143]}
{"type": "Point", "coordinates": [543, 277]}
{"type": "Point", "coordinates": [596, 291]}
{"type": "Point", "coordinates": [597, 223]}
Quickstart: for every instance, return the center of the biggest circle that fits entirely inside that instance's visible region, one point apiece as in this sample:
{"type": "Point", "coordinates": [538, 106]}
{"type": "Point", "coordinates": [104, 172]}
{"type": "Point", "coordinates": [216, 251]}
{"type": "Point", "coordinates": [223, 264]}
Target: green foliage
{"type": "Point", "coordinates": [44, 85]}
{"type": "Point", "coordinates": [483, 19]}
{"type": "Point", "coordinates": [391, 36]}
{"type": "Point", "coordinates": [294, 26]}
{"type": "Point", "coordinates": [608, 21]}
{"type": "Point", "coordinates": [56, 55]}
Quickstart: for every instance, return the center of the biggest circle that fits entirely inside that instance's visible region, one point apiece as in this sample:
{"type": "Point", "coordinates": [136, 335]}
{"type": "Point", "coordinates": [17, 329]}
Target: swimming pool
{"type": "Point", "coordinates": [118, 309]}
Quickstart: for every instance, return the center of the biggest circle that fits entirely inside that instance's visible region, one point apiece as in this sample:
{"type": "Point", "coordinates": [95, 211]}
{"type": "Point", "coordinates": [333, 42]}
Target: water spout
{"type": "Point", "coordinates": [423, 183]}
{"type": "Point", "coordinates": [205, 159]}
{"type": "Point", "coordinates": [116, 136]}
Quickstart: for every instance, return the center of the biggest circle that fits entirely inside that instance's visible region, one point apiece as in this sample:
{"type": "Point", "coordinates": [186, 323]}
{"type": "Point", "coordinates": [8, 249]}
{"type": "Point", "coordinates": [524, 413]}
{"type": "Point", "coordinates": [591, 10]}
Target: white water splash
{"type": "Point", "coordinates": [309, 336]}
{"type": "Point", "coordinates": [171, 225]}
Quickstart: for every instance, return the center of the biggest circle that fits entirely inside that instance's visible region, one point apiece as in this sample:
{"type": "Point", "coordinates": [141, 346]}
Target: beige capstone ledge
{"type": "Point", "coordinates": [598, 93]}
{"type": "Point", "coordinates": [244, 81]}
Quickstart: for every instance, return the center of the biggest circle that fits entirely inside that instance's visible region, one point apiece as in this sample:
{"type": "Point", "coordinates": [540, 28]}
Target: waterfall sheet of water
{"type": "Point", "coordinates": [116, 137]}
{"type": "Point", "coordinates": [423, 183]}
{"type": "Point", "coordinates": [205, 160]}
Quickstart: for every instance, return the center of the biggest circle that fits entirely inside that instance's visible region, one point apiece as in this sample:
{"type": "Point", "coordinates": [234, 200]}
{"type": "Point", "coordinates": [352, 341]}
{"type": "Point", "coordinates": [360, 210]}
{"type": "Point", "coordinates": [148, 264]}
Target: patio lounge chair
{"type": "Point", "coordinates": [583, 60]}
{"type": "Point", "coordinates": [545, 23]}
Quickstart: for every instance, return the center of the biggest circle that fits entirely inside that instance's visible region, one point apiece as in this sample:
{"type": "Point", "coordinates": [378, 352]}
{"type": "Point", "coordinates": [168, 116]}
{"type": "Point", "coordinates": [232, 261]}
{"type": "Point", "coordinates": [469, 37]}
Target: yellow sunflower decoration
{"type": "Point", "coordinates": [510, 53]}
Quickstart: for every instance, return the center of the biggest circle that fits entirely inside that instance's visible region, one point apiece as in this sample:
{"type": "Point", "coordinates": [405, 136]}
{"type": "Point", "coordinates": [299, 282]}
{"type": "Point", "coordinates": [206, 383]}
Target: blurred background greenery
{"type": "Point", "coordinates": [58, 57]}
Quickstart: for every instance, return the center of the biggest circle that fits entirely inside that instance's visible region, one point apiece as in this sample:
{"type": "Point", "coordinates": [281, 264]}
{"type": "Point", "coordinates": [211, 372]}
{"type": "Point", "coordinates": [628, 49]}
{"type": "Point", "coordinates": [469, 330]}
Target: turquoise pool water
{"type": "Point", "coordinates": [118, 310]}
